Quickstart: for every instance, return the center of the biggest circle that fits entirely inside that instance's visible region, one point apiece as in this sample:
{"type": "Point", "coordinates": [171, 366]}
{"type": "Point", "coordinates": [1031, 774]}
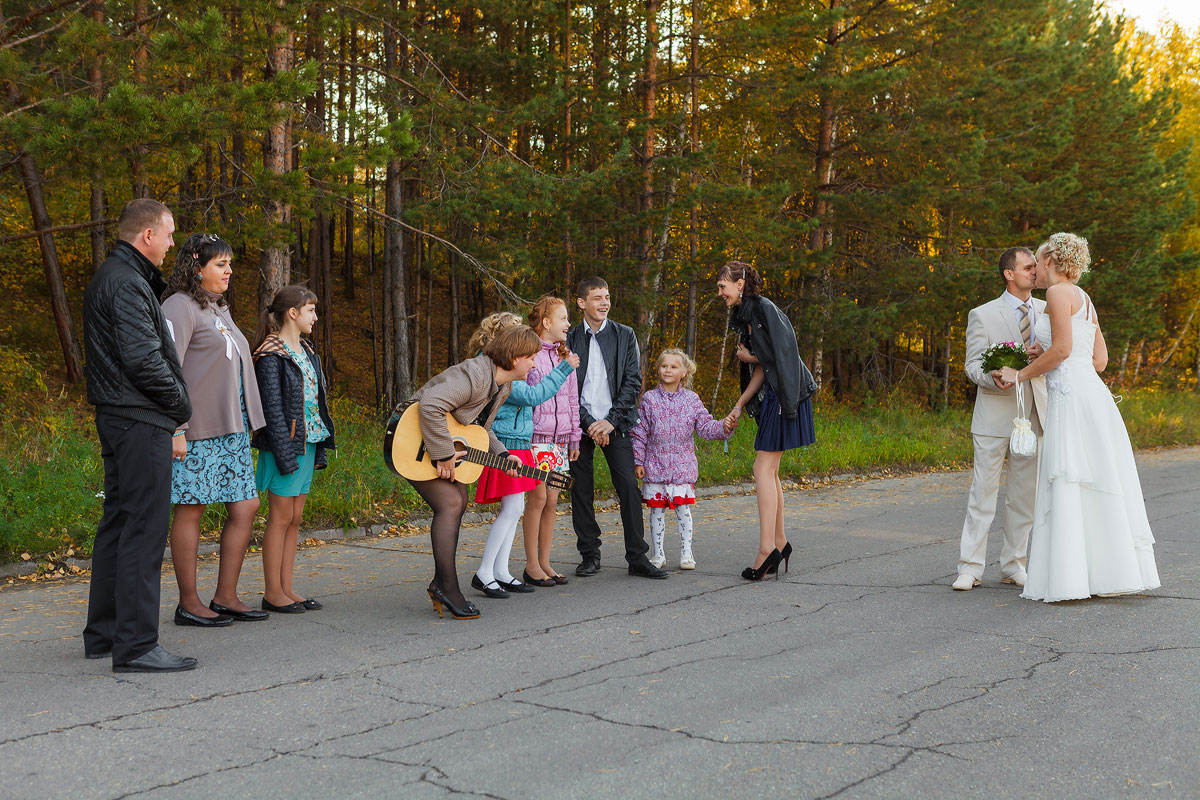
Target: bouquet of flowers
{"type": "Point", "coordinates": [1005, 354]}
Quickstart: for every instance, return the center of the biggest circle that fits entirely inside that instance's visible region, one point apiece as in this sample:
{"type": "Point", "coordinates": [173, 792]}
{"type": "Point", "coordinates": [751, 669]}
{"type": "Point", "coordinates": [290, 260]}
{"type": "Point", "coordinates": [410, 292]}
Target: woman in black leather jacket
{"type": "Point", "coordinates": [776, 391]}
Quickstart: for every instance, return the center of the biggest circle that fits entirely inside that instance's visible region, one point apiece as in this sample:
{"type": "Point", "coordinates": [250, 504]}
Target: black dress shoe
{"type": "Point", "coordinates": [516, 587]}
{"type": "Point", "coordinates": [188, 618]}
{"type": "Point", "coordinates": [242, 616]}
{"type": "Point", "coordinates": [157, 660]}
{"type": "Point", "coordinates": [312, 605]}
{"type": "Point", "coordinates": [487, 589]}
{"type": "Point", "coordinates": [644, 569]}
{"type": "Point", "coordinates": [543, 582]}
{"type": "Point", "coordinates": [290, 608]}
{"type": "Point", "coordinates": [588, 568]}
{"type": "Point", "coordinates": [561, 580]}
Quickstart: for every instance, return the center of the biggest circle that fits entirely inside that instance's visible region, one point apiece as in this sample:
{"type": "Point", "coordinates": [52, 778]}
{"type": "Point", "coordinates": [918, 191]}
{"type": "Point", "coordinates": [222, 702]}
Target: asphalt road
{"type": "Point", "coordinates": [858, 674]}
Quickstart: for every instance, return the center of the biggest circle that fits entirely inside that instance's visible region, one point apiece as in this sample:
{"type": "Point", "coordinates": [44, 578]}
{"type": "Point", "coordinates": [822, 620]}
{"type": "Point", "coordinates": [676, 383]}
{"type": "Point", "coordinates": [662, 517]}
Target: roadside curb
{"type": "Point", "coordinates": [22, 568]}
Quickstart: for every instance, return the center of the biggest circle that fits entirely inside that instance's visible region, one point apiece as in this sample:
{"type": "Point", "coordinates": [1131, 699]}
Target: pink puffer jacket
{"type": "Point", "coordinates": [557, 419]}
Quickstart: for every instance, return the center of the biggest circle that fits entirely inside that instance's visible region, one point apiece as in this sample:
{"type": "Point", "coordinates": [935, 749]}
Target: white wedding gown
{"type": "Point", "coordinates": [1090, 531]}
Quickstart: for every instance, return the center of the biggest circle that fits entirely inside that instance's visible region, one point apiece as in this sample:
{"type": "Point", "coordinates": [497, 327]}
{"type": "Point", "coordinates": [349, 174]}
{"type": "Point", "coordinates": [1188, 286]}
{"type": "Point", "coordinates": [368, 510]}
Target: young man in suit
{"type": "Point", "coordinates": [610, 380]}
{"type": "Point", "coordinates": [1010, 317]}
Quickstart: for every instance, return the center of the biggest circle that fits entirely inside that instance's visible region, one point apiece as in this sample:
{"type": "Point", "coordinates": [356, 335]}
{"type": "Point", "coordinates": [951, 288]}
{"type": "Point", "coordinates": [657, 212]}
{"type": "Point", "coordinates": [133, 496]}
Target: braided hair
{"type": "Point", "coordinates": [198, 250]}
{"type": "Point", "coordinates": [738, 271]}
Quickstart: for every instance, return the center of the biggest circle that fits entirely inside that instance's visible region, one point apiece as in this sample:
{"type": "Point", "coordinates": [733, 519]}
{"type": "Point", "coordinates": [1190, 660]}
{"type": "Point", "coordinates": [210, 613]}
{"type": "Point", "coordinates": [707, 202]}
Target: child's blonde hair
{"type": "Point", "coordinates": [489, 327]}
{"type": "Point", "coordinates": [689, 366]}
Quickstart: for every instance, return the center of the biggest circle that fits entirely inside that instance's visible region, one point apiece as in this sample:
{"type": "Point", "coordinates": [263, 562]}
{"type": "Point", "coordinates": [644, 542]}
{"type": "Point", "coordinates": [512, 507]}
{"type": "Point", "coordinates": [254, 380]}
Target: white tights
{"type": "Point", "coordinates": [494, 566]}
{"type": "Point", "coordinates": [658, 527]}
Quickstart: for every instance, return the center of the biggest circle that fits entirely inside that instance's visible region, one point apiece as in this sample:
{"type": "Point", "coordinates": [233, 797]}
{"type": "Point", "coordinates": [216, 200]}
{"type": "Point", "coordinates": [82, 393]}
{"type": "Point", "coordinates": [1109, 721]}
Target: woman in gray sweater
{"type": "Point", "coordinates": [211, 451]}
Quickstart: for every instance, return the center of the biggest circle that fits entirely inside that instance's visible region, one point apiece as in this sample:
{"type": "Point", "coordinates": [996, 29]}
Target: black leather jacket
{"type": "Point", "coordinates": [623, 363]}
{"type": "Point", "coordinates": [281, 388]}
{"type": "Point", "coordinates": [767, 333]}
{"type": "Point", "coordinates": [132, 368]}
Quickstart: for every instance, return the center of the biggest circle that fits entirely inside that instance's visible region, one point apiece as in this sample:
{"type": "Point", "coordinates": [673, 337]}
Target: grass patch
{"type": "Point", "coordinates": [51, 472]}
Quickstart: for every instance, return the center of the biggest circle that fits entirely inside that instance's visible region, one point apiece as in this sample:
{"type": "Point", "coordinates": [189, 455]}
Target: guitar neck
{"type": "Point", "coordinates": [503, 463]}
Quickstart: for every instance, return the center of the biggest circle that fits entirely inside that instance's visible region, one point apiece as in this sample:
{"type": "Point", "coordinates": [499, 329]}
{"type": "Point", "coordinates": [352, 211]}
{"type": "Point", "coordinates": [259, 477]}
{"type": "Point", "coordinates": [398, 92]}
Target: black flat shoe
{"type": "Point", "coordinates": [290, 608]}
{"type": "Point", "coordinates": [516, 587]}
{"type": "Point", "coordinates": [242, 616]}
{"type": "Point", "coordinates": [311, 604]}
{"type": "Point", "coordinates": [543, 582]}
{"type": "Point", "coordinates": [487, 589]}
{"type": "Point", "coordinates": [439, 599]}
{"type": "Point", "coordinates": [157, 660]}
{"type": "Point", "coordinates": [188, 618]}
{"type": "Point", "coordinates": [561, 580]}
{"type": "Point", "coordinates": [588, 568]}
{"type": "Point", "coordinates": [644, 569]}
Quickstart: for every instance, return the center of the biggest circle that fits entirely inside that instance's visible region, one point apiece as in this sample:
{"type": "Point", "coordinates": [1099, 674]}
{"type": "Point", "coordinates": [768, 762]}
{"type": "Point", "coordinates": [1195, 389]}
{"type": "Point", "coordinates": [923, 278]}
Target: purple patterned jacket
{"type": "Point", "coordinates": [662, 439]}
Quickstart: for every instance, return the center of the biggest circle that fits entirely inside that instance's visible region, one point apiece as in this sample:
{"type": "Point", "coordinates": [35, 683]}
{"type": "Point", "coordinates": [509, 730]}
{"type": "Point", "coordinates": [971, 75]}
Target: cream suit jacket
{"type": "Point", "coordinates": [994, 409]}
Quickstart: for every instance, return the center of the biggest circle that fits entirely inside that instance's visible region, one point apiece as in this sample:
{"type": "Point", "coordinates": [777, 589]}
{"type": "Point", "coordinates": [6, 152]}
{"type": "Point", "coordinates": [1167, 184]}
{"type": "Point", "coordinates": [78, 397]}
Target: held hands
{"type": "Point", "coordinates": [731, 420]}
{"type": "Point", "coordinates": [998, 379]}
{"type": "Point", "coordinates": [1009, 376]}
{"type": "Point", "coordinates": [1034, 350]}
{"type": "Point", "coordinates": [178, 448]}
{"type": "Point", "coordinates": [573, 360]}
{"type": "Point", "coordinates": [599, 431]}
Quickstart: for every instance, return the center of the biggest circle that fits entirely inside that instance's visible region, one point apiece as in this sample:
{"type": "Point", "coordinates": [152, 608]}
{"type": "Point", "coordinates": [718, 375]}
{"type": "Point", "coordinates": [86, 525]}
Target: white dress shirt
{"type": "Point", "coordinates": [595, 395]}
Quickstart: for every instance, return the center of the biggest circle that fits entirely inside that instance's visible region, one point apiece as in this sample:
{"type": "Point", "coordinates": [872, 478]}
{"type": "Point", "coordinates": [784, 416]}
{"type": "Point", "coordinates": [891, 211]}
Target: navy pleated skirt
{"type": "Point", "coordinates": [776, 432]}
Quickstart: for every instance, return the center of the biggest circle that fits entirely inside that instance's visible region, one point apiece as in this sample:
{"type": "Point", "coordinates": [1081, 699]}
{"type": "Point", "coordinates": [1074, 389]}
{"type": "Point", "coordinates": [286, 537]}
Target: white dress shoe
{"type": "Point", "coordinates": [1017, 578]}
{"type": "Point", "coordinates": [686, 559]}
{"type": "Point", "coordinates": [965, 583]}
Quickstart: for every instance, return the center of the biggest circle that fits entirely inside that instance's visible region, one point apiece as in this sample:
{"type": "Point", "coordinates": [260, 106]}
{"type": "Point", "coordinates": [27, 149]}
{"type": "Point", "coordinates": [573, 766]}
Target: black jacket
{"type": "Point", "coordinates": [767, 333]}
{"type": "Point", "coordinates": [281, 388]}
{"type": "Point", "coordinates": [132, 367]}
{"type": "Point", "coordinates": [622, 361]}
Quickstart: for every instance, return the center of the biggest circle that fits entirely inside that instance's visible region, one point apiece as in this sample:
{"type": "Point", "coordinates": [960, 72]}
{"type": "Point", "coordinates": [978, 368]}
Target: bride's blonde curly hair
{"type": "Point", "coordinates": [1068, 254]}
{"type": "Point", "coordinates": [489, 328]}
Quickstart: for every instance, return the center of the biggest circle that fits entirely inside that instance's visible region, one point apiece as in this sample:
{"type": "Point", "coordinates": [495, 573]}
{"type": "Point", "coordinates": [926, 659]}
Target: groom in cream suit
{"type": "Point", "coordinates": [1008, 318]}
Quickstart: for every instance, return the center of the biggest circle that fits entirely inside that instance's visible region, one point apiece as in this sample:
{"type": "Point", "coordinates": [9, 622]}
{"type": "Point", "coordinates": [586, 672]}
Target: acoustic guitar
{"type": "Point", "coordinates": [405, 454]}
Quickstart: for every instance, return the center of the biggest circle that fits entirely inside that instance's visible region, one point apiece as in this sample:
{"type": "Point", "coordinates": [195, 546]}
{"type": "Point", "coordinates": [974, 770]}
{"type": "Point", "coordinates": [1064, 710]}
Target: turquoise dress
{"type": "Point", "coordinates": [299, 482]}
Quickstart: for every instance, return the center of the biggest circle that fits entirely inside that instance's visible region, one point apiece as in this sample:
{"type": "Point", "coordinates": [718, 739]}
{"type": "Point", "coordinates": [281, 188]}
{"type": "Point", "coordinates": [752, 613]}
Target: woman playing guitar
{"type": "Point", "coordinates": [468, 391]}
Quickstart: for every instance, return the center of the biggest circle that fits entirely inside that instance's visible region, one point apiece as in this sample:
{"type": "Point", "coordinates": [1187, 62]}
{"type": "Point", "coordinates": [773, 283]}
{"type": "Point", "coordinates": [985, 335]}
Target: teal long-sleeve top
{"type": "Point", "coordinates": [513, 424]}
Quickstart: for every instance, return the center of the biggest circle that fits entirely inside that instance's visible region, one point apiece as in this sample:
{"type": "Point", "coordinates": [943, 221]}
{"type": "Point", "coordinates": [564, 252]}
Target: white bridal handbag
{"type": "Point", "coordinates": [1022, 442]}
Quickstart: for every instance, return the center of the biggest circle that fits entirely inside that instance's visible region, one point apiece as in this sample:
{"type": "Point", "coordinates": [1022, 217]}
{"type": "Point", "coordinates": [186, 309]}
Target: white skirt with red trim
{"type": "Point", "coordinates": [668, 495]}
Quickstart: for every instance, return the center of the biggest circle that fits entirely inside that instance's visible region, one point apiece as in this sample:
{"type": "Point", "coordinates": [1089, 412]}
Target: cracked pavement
{"type": "Point", "coordinates": [858, 674]}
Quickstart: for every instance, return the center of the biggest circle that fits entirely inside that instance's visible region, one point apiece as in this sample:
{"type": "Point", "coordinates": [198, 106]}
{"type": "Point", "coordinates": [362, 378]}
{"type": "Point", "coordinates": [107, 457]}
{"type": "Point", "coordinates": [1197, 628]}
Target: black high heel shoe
{"type": "Point", "coordinates": [786, 552]}
{"type": "Point", "coordinates": [772, 560]}
{"type": "Point", "coordinates": [439, 599]}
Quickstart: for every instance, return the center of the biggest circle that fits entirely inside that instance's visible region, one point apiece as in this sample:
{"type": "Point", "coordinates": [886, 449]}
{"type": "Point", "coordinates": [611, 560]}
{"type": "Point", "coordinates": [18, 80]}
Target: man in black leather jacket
{"type": "Point", "coordinates": [136, 384]}
{"type": "Point", "coordinates": [608, 402]}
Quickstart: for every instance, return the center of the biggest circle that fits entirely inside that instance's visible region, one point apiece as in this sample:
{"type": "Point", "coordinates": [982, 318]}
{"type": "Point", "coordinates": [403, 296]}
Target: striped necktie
{"type": "Point", "coordinates": [1024, 309]}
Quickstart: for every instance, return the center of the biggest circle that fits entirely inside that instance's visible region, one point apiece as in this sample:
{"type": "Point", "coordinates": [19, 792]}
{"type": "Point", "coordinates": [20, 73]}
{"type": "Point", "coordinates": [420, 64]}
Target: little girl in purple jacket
{"type": "Point", "coordinates": [664, 450]}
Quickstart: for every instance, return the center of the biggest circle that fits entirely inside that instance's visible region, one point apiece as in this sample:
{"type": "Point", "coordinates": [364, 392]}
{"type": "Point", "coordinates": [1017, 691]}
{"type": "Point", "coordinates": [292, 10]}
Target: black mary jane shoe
{"type": "Point", "coordinates": [440, 600]}
{"type": "Point", "coordinates": [290, 608]}
{"type": "Point", "coordinates": [188, 618]}
{"type": "Point", "coordinates": [249, 615]}
{"type": "Point", "coordinates": [543, 582]}
{"type": "Point", "coordinates": [499, 593]}
{"type": "Point", "coordinates": [516, 587]}
{"type": "Point", "coordinates": [311, 604]}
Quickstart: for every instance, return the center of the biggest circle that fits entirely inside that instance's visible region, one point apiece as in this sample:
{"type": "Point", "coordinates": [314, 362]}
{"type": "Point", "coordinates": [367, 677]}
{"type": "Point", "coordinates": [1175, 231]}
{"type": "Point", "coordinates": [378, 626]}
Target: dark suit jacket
{"type": "Point", "coordinates": [623, 362]}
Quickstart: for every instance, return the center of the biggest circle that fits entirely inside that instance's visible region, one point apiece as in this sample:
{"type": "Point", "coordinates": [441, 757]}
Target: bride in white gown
{"type": "Point", "coordinates": [1090, 531]}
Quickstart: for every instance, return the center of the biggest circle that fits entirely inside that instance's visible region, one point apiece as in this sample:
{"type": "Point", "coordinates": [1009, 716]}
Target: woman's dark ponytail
{"type": "Point", "coordinates": [741, 271]}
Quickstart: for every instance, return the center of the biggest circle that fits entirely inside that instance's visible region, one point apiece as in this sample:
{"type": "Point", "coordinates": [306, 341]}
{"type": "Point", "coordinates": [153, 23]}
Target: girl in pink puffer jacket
{"type": "Point", "coordinates": [556, 437]}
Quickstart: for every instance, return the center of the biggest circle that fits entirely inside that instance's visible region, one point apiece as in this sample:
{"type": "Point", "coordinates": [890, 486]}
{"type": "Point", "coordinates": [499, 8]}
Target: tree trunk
{"type": "Point", "coordinates": [394, 247]}
{"type": "Point", "coordinates": [72, 359]}
{"type": "Point", "coordinates": [646, 199]}
{"type": "Point", "coordinates": [275, 266]}
{"type": "Point", "coordinates": [821, 236]}
{"type": "Point", "coordinates": [96, 202]}
{"type": "Point", "coordinates": [348, 232]}
{"type": "Point", "coordinates": [141, 57]}
{"type": "Point", "coordinates": [693, 180]}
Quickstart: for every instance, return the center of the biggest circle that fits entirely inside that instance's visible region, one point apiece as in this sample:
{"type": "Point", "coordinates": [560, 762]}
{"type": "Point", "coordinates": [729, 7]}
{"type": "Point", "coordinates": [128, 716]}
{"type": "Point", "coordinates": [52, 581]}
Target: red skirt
{"type": "Point", "coordinates": [494, 483]}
